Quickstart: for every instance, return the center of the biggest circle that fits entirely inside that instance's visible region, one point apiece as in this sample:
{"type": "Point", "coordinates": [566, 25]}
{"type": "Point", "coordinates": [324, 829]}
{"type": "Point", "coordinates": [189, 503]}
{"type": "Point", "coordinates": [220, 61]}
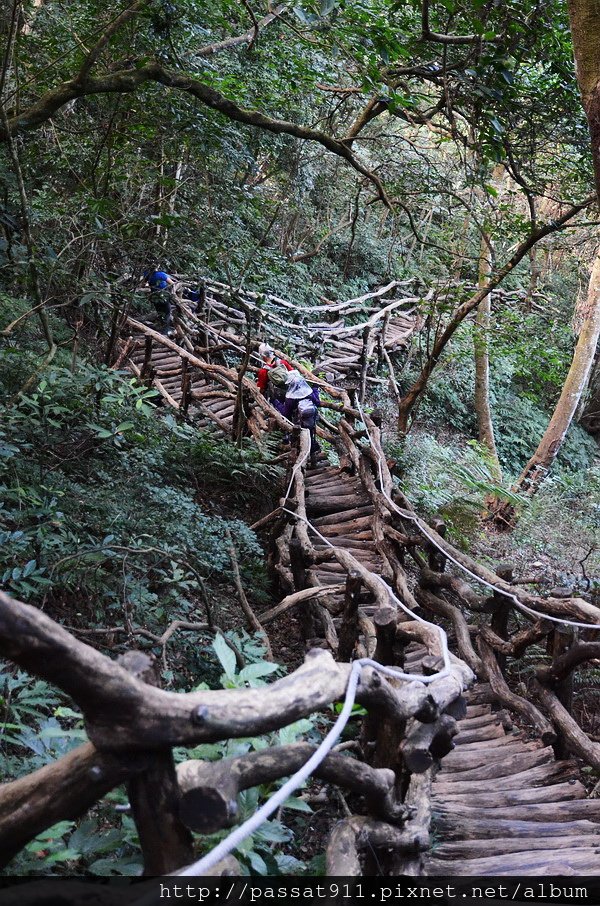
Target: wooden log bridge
{"type": "Point", "coordinates": [455, 770]}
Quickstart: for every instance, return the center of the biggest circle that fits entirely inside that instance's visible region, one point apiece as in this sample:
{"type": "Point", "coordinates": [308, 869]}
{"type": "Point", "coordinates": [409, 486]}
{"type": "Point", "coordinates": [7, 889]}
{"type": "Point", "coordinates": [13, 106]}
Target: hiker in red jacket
{"type": "Point", "coordinates": [272, 376]}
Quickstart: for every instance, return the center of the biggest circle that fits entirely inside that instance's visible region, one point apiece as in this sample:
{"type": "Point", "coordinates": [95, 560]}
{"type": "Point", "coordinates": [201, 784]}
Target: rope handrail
{"type": "Point", "coordinates": [443, 549]}
{"type": "Point", "coordinates": [248, 827]}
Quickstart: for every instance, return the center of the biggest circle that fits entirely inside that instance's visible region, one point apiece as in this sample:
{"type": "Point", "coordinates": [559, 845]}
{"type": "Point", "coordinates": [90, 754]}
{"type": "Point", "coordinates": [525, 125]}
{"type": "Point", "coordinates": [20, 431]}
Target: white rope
{"type": "Point", "coordinates": [237, 836]}
{"type": "Point", "coordinates": [412, 517]}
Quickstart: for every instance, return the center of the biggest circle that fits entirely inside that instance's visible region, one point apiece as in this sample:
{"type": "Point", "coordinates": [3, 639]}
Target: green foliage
{"type": "Point", "coordinates": [526, 376]}
{"type": "Point", "coordinates": [449, 482]}
{"type": "Point", "coordinates": [562, 522]}
{"type": "Point", "coordinates": [38, 728]}
{"type": "Point", "coordinates": [102, 514]}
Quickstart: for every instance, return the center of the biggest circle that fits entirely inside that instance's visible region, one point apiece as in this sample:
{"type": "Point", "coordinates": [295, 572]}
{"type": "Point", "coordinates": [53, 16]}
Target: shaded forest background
{"type": "Point", "coordinates": [314, 151]}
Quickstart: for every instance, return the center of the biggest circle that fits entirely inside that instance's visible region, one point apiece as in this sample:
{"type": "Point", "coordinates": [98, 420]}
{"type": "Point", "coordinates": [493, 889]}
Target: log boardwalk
{"type": "Point", "coordinates": [393, 616]}
{"type": "Point", "coordinates": [502, 804]}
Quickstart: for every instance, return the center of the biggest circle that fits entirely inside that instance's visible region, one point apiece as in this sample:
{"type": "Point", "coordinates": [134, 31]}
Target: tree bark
{"type": "Point", "coordinates": [485, 425]}
{"type": "Point", "coordinates": [583, 358]}
{"type": "Point", "coordinates": [585, 32]}
{"type": "Point", "coordinates": [414, 394]}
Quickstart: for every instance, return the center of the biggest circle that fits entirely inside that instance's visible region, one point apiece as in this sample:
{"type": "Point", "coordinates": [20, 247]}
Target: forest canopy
{"type": "Point", "coordinates": [414, 183]}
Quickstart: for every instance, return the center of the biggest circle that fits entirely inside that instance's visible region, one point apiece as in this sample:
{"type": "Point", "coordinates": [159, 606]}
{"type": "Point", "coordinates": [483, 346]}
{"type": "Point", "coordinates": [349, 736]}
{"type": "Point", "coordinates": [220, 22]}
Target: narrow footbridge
{"type": "Point", "coordinates": [451, 771]}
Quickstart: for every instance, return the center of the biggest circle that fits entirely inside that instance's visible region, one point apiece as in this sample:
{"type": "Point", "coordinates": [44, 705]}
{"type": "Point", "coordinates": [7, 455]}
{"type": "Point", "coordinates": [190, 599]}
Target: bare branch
{"type": "Point", "coordinates": [130, 80]}
{"type": "Point", "coordinates": [429, 35]}
{"type": "Point", "coordinates": [248, 37]}
{"type": "Point", "coordinates": [104, 39]}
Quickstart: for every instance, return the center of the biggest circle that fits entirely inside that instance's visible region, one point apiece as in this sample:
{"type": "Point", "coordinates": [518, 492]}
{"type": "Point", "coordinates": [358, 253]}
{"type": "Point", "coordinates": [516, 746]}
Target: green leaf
{"type": "Point", "coordinates": [255, 671]}
{"type": "Point", "coordinates": [29, 568]}
{"type": "Point", "coordinates": [298, 805]}
{"type": "Point", "coordinates": [225, 655]}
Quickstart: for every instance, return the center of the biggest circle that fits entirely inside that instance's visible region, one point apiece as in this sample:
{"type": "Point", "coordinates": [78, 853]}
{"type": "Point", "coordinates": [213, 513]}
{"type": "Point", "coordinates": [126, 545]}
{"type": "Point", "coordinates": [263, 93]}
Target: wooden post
{"type": "Point", "coordinates": [501, 613]}
{"type": "Point", "coordinates": [307, 617]}
{"type": "Point", "coordinates": [185, 386]}
{"type": "Point", "coordinates": [114, 332]}
{"type": "Point", "coordinates": [437, 560]}
{"type": "Point", "coordinates": [201, 299]}
{"type": "Point", "coordinates": [364, 364]}
{"type": "Point", "coordinates": [154, 795]}
{"type": "Point", "coordinates": [562, 639]}
{"type": "Point", "coordinates": [348, 633]}
{"type": "Point", "coordinates": [385, 628]}
{"type": "Point", "coordinates": [381, 343]}
{"type": "Point", "coordinates": [147, 357]}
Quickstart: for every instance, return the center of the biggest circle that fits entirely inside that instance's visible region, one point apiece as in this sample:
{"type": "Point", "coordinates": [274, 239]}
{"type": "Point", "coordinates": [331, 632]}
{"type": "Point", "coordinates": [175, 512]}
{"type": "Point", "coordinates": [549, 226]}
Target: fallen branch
{"type": "Point", "coordinates": [253, 620]}
{"type": "Point", "coordinates": [299, 597]}
{"type": "Point", "coordinates": [209, 790]}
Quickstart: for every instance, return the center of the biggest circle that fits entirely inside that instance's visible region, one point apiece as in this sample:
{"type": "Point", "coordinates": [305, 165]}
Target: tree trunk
{"type": "Point", "coordinates": [485, 426]}
{"type": "Point", "coordinates": [575, 383]}
{"type": "Point", "coordinates": [585, 31]}
{"type": "Point", "coordinates": [414, 393]}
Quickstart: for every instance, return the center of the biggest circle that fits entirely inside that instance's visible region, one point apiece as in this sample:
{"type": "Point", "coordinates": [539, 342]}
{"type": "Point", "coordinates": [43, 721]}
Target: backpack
{"type": "Point", "coordinates": [307, 413]}
{"type": "Point", "coordinates": [277, 378]}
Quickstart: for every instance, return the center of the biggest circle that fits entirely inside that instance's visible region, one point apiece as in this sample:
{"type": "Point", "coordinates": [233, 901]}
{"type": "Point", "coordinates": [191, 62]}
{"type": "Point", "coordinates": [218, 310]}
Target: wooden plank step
{"type": "Point", "coordinates": [475, 849]}
{"type": "Point", "coordinates": [458, 827]}
{"type": "Point", "coordinates": [506, 740]}
{"type": "Point", "coordinates": [337, 488]}
{"type": "Point", "coordinates": [558, 792]}
{"type": "Point", "coordinates": [540, 863]}
{"type": "Point", "coordinates": [349, 543]}
{"type": "Point", "coordinates": [478, 710]}
{"type": "Point", "coordinates": [491, 770]}
{"type": "Point", "coordinates": [461, 761]}
{"type": "Point", "coordinates": [492, 731]}
{"type": "Point", "coordinates": [360, 523]}
{"type": "Point", "coordinates": [363, 534]}
{"type": "Point", "coordinates": [563, 812]}
{"type": "Point", "coordinates": [483, 720]}
{"type": "Point", "coordinates": [336, 505]}
{"type": "Point", "coordinates": [557, 771]}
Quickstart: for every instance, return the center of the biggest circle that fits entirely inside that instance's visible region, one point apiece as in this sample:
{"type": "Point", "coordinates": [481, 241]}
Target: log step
{"type": "Point", "coordinates": [571, 789]}
{"type": "Point", "coordinates": [583, 860]}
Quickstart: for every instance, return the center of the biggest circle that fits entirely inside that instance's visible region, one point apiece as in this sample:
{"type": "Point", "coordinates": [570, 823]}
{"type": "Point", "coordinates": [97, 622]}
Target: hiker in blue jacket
{"type": "Point", "coordinates": [161, 284]}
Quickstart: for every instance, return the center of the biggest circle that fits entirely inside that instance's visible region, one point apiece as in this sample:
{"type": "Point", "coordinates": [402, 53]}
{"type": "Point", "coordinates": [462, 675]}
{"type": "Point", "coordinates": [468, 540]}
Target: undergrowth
{"type": "Point", "coordinates": [112, 517]}
{"type": "Point", "coordinates": [39, 725]}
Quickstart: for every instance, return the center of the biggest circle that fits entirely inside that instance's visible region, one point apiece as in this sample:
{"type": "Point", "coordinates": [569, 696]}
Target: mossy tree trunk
{"type": "Point", "coordinates": [585, 30]}
{"type": "Point", "coordinates": [583, 358]}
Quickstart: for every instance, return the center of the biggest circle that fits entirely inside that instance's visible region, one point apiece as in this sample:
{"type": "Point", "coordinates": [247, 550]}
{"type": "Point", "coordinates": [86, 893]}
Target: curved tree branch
{"type": "Point", "coordinates": [92, 58]}
{"type": "Point", "coordinates": [130, 80]}
{"type": "Point", "coordinates": [415, 392]}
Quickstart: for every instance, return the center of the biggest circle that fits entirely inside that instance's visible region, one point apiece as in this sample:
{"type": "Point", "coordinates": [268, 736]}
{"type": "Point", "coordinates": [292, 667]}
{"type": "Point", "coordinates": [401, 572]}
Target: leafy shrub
{"type": "Point", "coordinates": [452, 482]}
{"type": "Point", "coordinates": [38, 728]}
{"type": "Point", "coordinates": [102, 516]}
{"type": "Point", "coordinates": [520, 409]}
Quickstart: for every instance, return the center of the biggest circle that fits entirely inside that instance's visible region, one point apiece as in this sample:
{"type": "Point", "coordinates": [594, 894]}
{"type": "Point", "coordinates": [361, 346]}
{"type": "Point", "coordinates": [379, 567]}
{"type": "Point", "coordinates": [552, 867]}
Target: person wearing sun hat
{"type": "Point", "coordinates": [301, 406]}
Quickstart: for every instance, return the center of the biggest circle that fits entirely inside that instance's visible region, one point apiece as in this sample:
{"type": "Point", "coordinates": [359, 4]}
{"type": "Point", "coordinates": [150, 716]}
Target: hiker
{"type": "Point", "coordinates": [272, 376]}
{"type": "Point", "coordinates": [301, 406]}
{"type": "Point", "coordinates": [161, 284]}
